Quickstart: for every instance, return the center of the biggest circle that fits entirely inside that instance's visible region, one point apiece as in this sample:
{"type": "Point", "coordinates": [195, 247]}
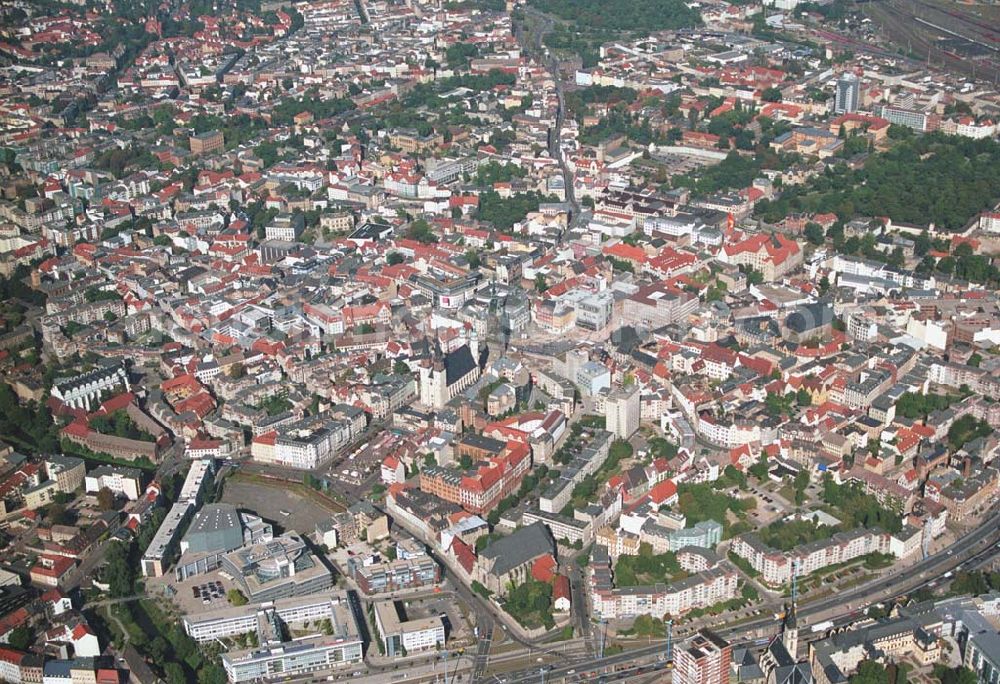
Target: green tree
{"type": "Point", "coordinates": [174, 674]}
{"type": "Point", "coordinates": [421, 231]}
{"type": "Point", "coordinates": [158, 649]}
{"type": "Point", "coordinates": [814, 233]}
{"type": "Point", "coordinates": [622, 15]}
{"type": "Point", "coordinates": [118, 570]}
{"type": "Point", "coordinates": [955, 675]}
{"type": "Point", "coordinates": [212, 673]}
{"type": "Point", "coordinates": [760, 469]}
{"type": "Point", "coordinates": [661, 448]}
{"type": "Point", "coordinates": [966, 429]}
{"type": "Point", "coordinates": [57, 514]}
{"type": "Point", "coordinates": [870, 672]}
{"type": "Point", "coordinates": [21, 638]}
{"type": "Point", "coordinates": [490, 173]}
{"type": "Point", "coordinates": [801, 483]}
{"type": "Point", "coordinates": [504, 212]}
{"type": "Point", "coordinates": [105, 499]}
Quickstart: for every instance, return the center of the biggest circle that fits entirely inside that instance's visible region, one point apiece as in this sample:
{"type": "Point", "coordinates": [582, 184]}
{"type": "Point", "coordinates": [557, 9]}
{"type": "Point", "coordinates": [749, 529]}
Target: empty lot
{"type": "Point", "coordinates": [268, 499]}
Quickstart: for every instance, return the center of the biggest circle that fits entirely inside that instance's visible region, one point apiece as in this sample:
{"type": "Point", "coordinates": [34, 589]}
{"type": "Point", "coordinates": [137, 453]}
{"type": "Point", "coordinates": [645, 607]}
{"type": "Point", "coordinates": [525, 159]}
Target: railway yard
{"type": "Point", "coordinates": [956, 36]}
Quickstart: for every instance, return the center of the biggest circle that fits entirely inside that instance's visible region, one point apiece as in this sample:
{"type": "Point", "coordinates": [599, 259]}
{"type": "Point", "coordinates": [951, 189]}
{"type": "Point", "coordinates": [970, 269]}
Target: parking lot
{"type": "Point", "coordinates": [456, 627]}
{"type": "Point", "coordinates": [190, 595]}
{"type": "Point", "coordinates": [288, 507]}
{"type": "Point", "coordinates": [211, 594]}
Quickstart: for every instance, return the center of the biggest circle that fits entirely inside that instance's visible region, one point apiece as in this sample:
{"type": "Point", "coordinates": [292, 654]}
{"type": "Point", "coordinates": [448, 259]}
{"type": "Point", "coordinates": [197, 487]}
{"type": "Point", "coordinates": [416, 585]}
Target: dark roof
{"type": "Point", "coordinates": [782, 658]}
{"type": "Point", "coordinates": [797, 673]}
{"type": "Point", "coordinates": [626, 338]}
{"type": "Point", "coordinates": [485, 443]}
{"type": "Point", "coordinates": [809, 317]}
{"type": "Point", "coordinates": [458, 364]}
{"type": "Point", "coordinates": [520, 547]}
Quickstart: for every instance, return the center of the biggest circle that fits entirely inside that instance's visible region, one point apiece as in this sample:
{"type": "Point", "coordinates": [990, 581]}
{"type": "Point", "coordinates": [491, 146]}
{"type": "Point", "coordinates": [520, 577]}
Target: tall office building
{"type": "Point", "coordinates": [703, 659]}
{"type": "Point", "coordinates": [622, 412]}
{"type": "Point", "coordinates": [848, 93]}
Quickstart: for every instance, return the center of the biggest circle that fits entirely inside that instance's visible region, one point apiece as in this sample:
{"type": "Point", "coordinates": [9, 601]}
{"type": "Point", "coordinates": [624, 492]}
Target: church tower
{"type": "Point", "coordinates": [790, 627]}
{"type": "Point", "coordinates": [790, 631]}
{"type": "Point", "coordinates": [434, 381]}
{"type": "Point", "coordinates": [474, 345]}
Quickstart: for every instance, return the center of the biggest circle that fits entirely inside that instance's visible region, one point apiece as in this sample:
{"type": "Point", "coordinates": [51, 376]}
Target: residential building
{"type": "Point", "coordinates": [80, 391]}
{"type": "Point", "coordinates": [207, 142]}
{"type": "Point", "coordinates": [776, 567]}
{"type": "Point", "coordinates": [848, 93]}
{"type": "Point", "coordinates": [703, 659]}
{"type": "Point", "coordinates": [67, 471]}
{"type": "Point", "coordinates": [622, 411]}
{"type": "Point", "coordinates": [482, 488]}
{"type": "Point", "coordinates": [391, 576]}
{"type": "Point", "coordinates": [982, 656]}
{"type": "Point", "coordinates": [126, 482]}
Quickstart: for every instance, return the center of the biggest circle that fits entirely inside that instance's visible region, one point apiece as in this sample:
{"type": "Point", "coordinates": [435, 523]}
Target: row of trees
{"type": "Point", "coordinates": [541, 477]}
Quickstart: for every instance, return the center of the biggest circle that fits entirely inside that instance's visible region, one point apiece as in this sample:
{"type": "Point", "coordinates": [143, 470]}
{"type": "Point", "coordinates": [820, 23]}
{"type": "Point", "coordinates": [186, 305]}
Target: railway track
{"type": "Point", "coordinates": [988, 31]}
{"type": "Point", "coordinates": [925, 28]}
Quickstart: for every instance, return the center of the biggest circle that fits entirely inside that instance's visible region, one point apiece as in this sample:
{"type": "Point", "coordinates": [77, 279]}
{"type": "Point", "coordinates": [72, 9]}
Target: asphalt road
{"type": "Point", "coordinates": [546, 25]}
{"type": "Point", "coordinates": [580, 607]}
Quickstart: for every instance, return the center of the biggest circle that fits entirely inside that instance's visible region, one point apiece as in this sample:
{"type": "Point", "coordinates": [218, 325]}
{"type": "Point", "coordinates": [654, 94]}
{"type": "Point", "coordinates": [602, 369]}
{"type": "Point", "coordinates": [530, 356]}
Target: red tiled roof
{"type": "Point", "coordinates": [12, 620]}
{"type": "Point", "coordinates": [560, 588]}
{"type": "Point", "coordinates": [463, 554]}
{"type": "Point", "coordinates": [663, 491]}
{"type": "Point", "coordinates": [544, 568]}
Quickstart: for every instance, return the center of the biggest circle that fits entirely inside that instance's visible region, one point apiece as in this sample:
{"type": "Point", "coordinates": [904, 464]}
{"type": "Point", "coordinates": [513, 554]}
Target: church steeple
{"type": "Point", "coordinates": [790, 626]}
